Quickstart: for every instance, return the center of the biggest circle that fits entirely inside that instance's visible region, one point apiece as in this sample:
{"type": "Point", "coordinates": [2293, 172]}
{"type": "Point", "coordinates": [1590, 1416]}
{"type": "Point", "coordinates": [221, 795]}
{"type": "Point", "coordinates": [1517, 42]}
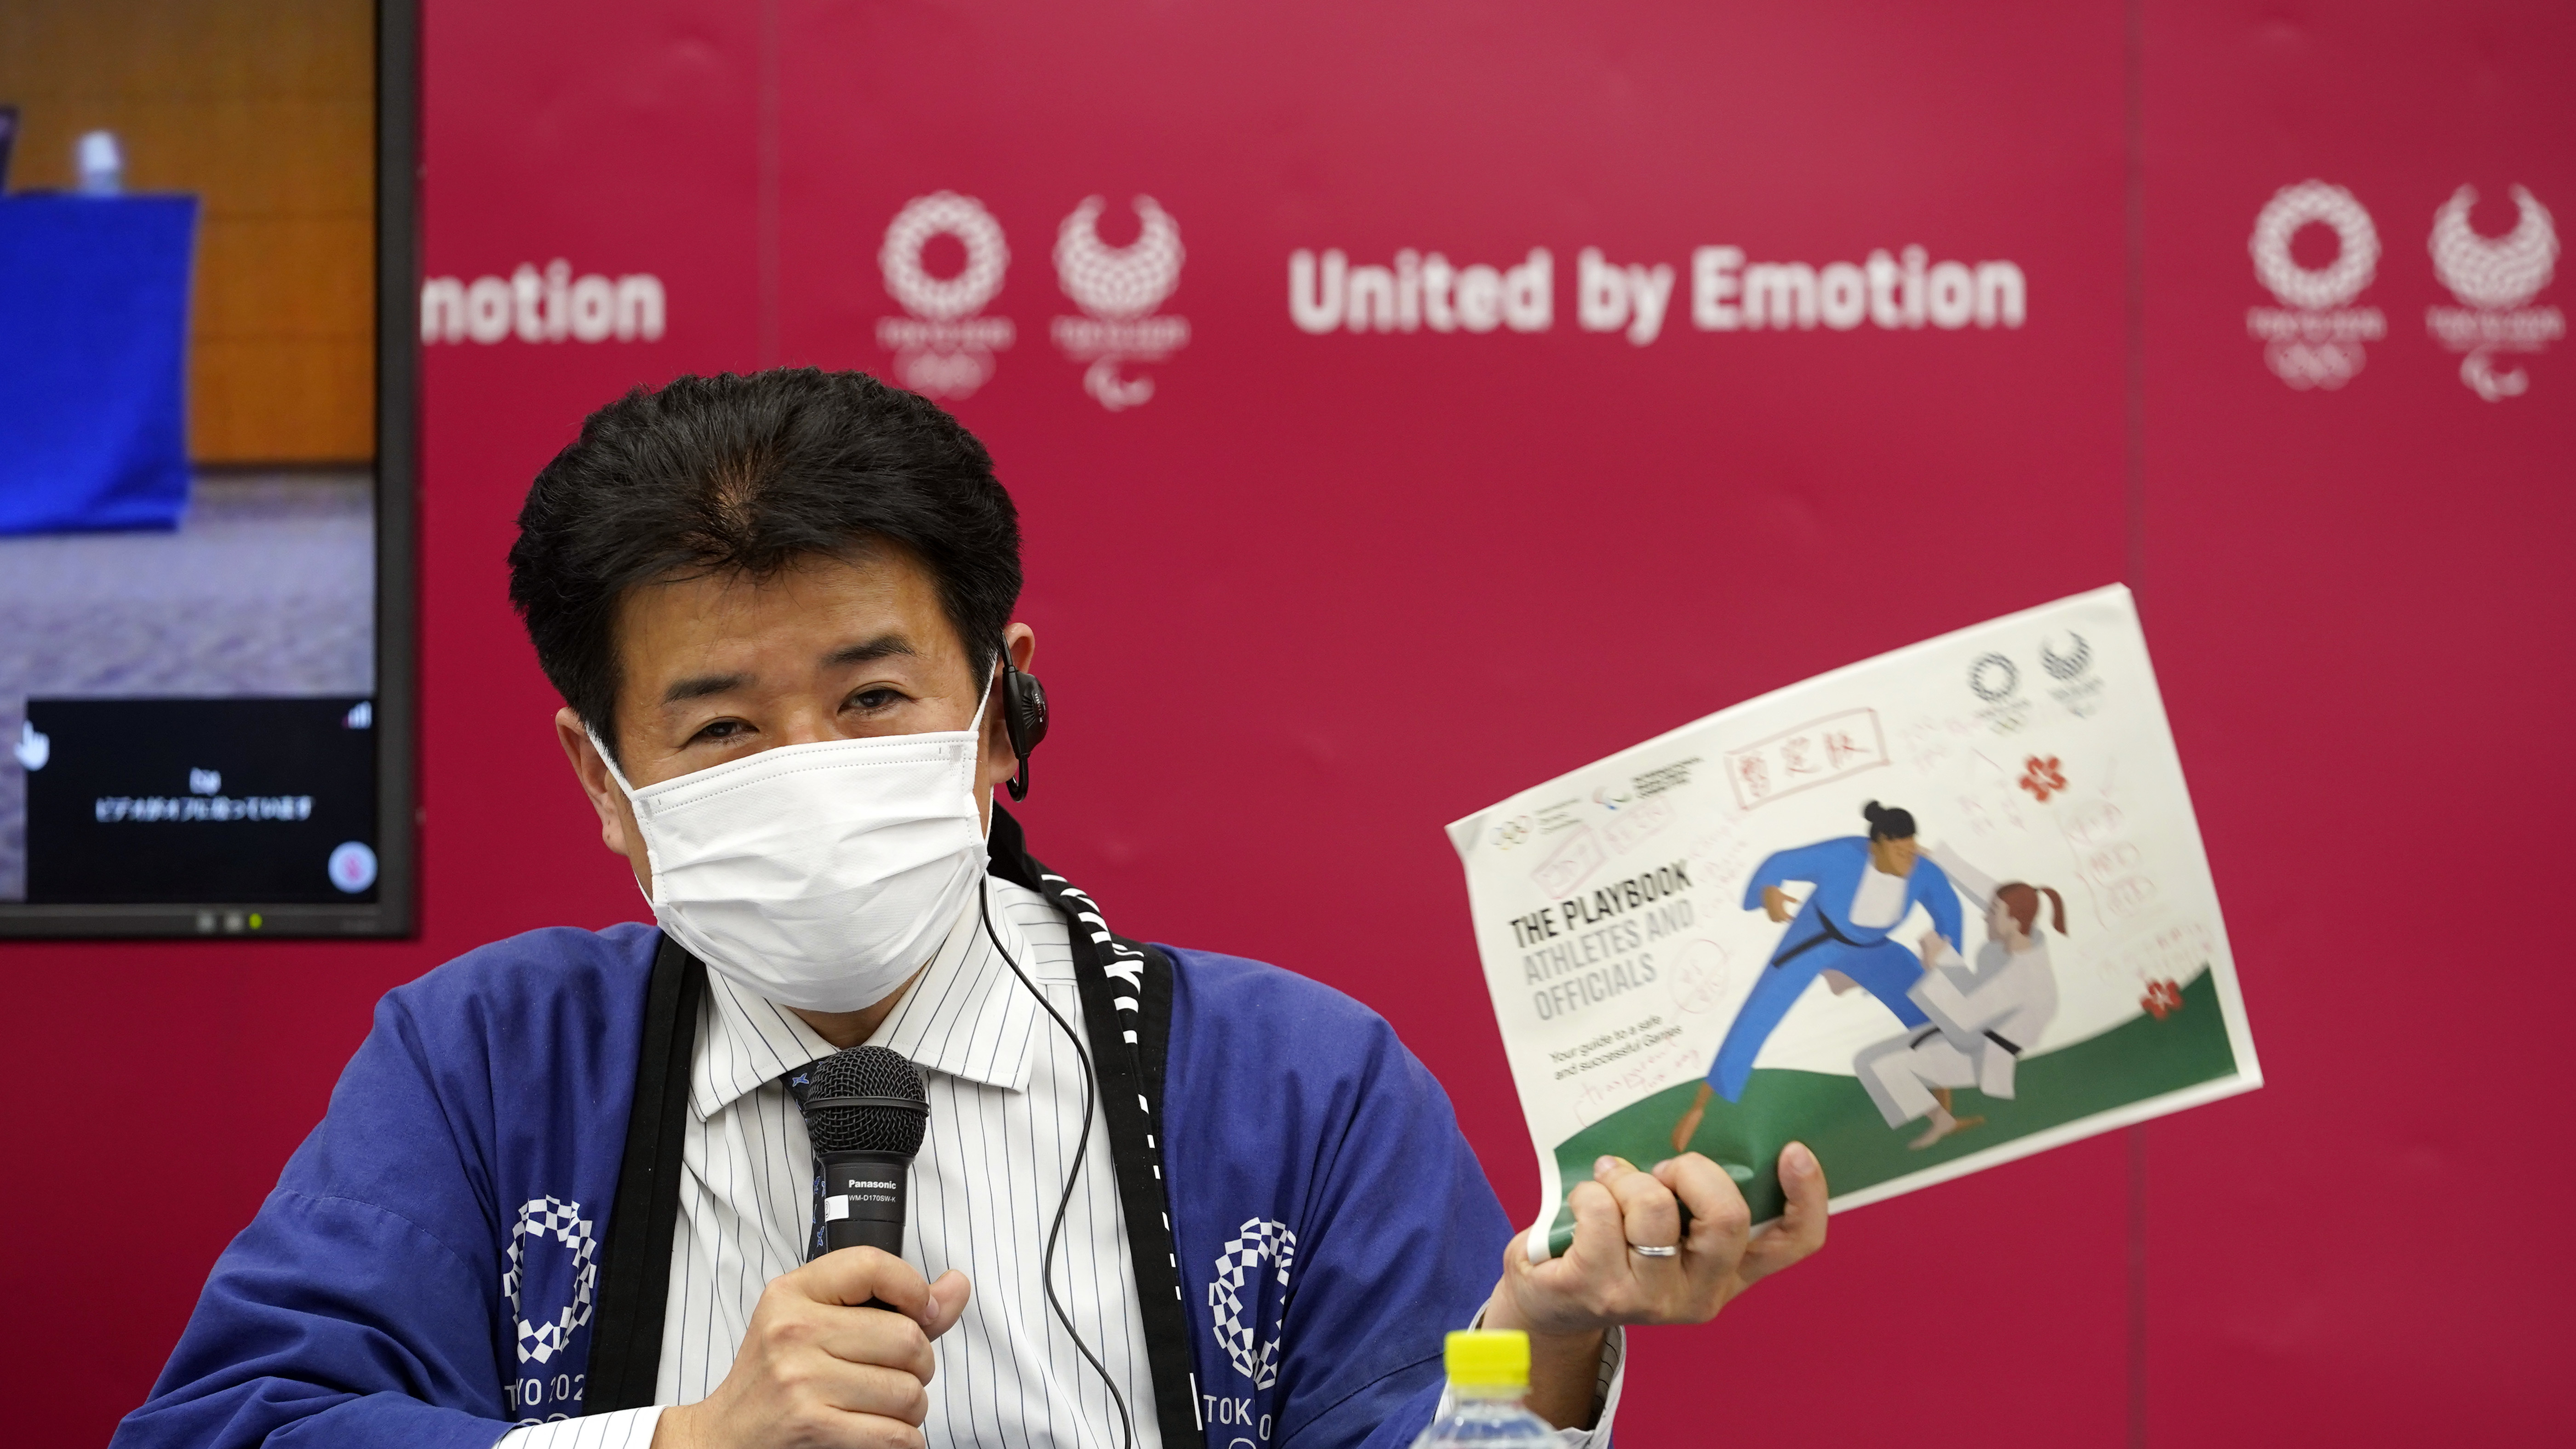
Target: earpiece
{"type": "Point", "coordinates": [1024, 718]}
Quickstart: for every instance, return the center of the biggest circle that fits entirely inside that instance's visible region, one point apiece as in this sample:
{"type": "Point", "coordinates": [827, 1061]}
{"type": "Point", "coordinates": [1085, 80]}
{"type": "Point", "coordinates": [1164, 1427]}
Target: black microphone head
{"type": "Point", "coordinates": [866, 1099]}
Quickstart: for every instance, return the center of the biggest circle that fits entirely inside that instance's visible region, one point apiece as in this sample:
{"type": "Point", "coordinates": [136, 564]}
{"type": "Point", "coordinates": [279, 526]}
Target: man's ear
{"type": "Point", "coordinates": [999, 764]}
{"type": "Point", "coordinates": [616, 817]}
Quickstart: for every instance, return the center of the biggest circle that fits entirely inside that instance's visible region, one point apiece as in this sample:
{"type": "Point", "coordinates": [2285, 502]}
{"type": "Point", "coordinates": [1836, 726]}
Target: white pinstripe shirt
{"type": "Point", "coordinates": [1005, 1110]}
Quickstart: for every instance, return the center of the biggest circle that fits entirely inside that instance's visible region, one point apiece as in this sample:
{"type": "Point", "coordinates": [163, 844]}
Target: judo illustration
{"type": "Point", "coordinates": [1981, 1017]}
{"type": "Point", "coordinates": [1860, 889]}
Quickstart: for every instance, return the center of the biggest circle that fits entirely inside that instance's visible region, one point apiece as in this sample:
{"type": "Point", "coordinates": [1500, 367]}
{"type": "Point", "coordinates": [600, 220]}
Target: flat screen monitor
{"type": "Point", "coordinates": [207, 286]}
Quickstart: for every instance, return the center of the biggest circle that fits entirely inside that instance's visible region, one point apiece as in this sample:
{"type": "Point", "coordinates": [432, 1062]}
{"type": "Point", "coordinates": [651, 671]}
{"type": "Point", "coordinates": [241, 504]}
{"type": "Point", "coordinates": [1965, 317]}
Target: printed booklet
{"type": "Point", "coordinates": [1929, 913]}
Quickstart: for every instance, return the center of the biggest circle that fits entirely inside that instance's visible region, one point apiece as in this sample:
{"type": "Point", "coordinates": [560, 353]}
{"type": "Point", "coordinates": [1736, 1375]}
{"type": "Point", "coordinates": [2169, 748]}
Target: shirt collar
{"type": "Point", "coordinates": [965, 1016]}
{"type": "Point", "coordinates": [744, 1042]}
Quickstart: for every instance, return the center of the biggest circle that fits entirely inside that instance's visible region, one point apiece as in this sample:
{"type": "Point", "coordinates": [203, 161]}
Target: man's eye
{"type": "Point", "coordinates": [873, 700]}
{"type": "Point", "coordinates": [723, 729]}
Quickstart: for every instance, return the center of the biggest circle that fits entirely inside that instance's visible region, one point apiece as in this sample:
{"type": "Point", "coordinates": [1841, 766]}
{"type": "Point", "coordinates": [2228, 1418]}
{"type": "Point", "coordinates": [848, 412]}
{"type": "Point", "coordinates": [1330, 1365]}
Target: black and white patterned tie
{"type": "Point", "coordinates": [796, 1083]}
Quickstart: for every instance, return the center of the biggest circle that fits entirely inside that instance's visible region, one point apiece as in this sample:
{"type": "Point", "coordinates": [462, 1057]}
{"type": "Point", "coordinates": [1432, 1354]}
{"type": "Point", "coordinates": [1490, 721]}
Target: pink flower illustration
{"type": "Point", "coordinates": [2042, 777]}
{"type": "Point", "coordinates": [2163, 999]}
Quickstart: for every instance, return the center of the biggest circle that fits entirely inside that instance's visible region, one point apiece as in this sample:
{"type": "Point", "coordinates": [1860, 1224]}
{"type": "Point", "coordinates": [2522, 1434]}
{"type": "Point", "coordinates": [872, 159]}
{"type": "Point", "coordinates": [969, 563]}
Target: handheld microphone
{"type": "Point", "coordinates": [865, 1112]}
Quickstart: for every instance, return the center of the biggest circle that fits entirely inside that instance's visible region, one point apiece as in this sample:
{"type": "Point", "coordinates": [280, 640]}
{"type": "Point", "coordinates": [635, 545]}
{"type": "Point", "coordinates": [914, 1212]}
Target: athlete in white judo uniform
{"type": "Point", "coordinates": [1983, 1017]}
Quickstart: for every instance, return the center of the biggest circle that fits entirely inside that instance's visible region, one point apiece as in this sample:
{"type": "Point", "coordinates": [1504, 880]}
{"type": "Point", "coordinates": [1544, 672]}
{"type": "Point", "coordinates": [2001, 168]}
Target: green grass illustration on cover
{"type": "Point", "coordinates": [1927, 914]}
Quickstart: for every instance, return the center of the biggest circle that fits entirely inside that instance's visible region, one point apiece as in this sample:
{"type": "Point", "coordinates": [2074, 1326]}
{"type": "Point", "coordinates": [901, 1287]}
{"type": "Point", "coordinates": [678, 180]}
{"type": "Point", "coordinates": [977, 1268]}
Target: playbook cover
{"type": "Point", "coordinates": [1928, 913]}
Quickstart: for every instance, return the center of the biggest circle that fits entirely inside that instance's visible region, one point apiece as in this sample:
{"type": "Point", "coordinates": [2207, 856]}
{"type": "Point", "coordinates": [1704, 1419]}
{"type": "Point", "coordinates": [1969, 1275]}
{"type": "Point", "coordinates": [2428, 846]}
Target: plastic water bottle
{"type": "Point", "coordinates": [1488, 1374]}
{"type": "Point", "coordinates": [101, 164]}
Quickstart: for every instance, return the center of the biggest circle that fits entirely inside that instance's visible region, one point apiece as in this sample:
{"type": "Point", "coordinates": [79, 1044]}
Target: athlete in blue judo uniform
{"type": "Point", "coordinates": [1862, 890]}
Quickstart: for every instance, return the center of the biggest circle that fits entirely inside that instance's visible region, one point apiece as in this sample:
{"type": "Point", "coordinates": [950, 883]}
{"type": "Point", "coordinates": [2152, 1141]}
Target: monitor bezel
{"type": "Point", "coordinates": [394, 911]}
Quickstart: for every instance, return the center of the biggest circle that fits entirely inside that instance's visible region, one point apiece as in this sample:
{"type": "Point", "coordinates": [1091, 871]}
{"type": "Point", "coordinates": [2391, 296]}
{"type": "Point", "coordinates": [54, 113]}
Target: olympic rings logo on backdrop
{"type": "Point", "coordinates": [2314, 338]}
{"type": "Point", "coordinates": [945, 348]}
{"type": "Point", "coordinates": [2356, 258]}
{"type": "Point", "coordinates": [944, 213]}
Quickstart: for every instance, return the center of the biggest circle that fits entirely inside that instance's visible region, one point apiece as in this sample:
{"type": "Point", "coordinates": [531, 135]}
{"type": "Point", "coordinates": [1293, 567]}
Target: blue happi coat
{"type": "Point", "coordinates": [429, 1252]}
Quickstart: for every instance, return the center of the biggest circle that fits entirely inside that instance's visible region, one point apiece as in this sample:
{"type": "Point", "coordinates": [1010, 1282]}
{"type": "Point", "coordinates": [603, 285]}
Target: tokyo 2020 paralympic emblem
{"type": "Point", "coordinates": [2078, 688]}
{"type": "Point", "coordinates": [1238, 1278]}
{"type": "Point", "coordinates": [1118, 289]}
{"type": "Point", "coordinates": [946, 347]}
{"type": "Point", "coordinates": [2494, 281]}
{"type": "Point", "coordinates": [2314, 338]}
{"type": "Point", "coordinates": [2069, 663]}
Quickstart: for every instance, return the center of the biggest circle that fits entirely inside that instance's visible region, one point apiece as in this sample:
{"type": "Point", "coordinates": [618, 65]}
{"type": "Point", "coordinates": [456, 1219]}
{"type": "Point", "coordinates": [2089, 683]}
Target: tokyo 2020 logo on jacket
{"type": "Point", "coordinates": [945, 347]}
{"type": "Point", "coordinates": [1118, 289]}
{"type": "Point", "coordinates": [2495, 281]}
{"type": "Point", "coordinates": [554, 1267]}
{"type": "Point", "coordinates": [1239, 1293]}
{"type": "Point", "coordinates": [2314, 338]}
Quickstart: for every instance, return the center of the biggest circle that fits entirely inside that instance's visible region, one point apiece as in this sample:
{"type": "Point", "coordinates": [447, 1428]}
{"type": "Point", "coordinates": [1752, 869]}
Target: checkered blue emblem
{"type": "Point", "coordinates": [1235, 1296]}
{"type": "Point", "coordinates": [569, 1269]}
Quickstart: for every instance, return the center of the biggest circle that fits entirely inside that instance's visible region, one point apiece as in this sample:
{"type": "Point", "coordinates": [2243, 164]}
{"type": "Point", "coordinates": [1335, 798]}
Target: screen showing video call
{"type": "Point", "coordinates": [189, 480]}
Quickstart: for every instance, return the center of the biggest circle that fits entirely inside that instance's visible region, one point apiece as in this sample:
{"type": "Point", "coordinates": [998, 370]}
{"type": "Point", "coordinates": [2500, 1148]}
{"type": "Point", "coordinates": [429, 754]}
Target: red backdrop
{"type": "Point", "coordinates": [1323, 593]}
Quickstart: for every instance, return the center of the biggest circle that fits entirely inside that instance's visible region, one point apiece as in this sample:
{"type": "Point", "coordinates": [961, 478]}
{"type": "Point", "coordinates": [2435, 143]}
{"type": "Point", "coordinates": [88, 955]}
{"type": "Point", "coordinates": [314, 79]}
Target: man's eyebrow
{"type": "Point", "coordinates": [700, 686]}
{"type": "Point", "coordinates": [884, 646]}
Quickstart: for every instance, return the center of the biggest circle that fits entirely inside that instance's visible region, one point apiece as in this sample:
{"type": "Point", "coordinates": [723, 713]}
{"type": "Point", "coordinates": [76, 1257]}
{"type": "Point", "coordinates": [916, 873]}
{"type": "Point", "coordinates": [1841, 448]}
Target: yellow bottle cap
{"type": "Point", "coordinates": [1489, 1359]}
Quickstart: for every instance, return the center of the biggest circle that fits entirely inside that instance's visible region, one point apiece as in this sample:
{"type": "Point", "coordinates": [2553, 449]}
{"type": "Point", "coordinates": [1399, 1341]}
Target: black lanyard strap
{"type": "Point", "coordinates": [635, 1260]}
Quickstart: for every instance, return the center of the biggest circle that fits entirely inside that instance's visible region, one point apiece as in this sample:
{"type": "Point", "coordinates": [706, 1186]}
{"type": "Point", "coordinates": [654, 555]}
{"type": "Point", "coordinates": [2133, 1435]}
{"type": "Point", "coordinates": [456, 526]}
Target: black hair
{"type": "Point", "coordinates": [1887, 822]}
{"type": "Point", "coordinates": [748, 475]}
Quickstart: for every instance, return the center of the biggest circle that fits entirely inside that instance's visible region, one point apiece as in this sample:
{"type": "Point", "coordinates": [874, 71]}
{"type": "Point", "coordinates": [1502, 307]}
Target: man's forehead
{"type": "Point", "coordinates": [820, 609]}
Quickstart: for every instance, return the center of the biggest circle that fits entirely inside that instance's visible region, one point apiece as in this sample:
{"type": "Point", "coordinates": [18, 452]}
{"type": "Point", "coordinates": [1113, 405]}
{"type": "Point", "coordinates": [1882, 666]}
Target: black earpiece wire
{"type": "Point", "coordinates": [1018, 784]}
{"type": "Point", "coordinates": [1073, 1175]}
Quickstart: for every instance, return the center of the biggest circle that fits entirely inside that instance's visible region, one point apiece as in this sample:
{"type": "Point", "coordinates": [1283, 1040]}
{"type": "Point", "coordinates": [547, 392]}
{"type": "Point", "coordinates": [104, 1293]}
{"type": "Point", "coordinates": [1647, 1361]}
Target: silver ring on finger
{"type": "Point", "coordinates": [1669, 1250]}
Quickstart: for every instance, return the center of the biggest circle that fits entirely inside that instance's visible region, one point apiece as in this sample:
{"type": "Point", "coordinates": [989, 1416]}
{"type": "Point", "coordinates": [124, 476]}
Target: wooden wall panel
{"type": "Point", "coordinates": [265, 108]}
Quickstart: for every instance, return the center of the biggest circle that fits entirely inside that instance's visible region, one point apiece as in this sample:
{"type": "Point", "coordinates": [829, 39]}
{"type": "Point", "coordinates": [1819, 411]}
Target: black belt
{"type": "Point", "coordinates": [1812, 942]}
{"type": "Point", "coordinates": [1929, 1032]}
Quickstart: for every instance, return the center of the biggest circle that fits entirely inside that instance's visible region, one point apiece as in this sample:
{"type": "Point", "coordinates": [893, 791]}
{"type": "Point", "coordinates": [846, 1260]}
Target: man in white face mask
{"type": "Point", "coordinates": [565, 1196]}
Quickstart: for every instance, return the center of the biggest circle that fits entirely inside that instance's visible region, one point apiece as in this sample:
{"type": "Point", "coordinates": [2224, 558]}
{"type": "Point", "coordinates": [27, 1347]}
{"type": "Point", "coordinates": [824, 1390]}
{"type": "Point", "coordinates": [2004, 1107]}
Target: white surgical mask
{"type": "Point", "coordinates": [822, 875]}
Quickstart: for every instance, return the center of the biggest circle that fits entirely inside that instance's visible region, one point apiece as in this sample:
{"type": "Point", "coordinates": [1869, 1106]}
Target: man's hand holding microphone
{"type": "Point", "coordinates": [837, 1354]}
{"type": "Point", "coordinates": [818, 1371]}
